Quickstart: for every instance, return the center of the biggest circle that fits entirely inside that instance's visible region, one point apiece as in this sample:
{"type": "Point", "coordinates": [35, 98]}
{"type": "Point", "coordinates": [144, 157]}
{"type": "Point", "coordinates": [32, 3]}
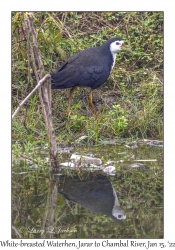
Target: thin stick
{"type": "Point", "coordinates": [31, 93]}
{"type": "Point", "coordinates": [16, 231]}
{"type": "Point", "coordinates": [29, 158]}
{"type": "Point", "coordinates": [34, 67]}
{"type": "Point", "coordinates": [45, 97]}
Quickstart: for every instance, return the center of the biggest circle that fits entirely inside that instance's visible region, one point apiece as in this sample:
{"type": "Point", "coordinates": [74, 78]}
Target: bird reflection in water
{"type": "Point", "coordinates": [95, 193]}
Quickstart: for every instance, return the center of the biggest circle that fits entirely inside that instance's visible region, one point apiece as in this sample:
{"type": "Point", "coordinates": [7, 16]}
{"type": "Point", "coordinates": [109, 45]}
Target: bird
{"type": "Point", "coordinates": [88, 68]}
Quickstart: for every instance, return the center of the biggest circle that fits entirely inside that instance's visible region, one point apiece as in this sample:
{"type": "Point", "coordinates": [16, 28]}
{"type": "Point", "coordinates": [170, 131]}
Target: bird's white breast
{"type": "Point", "coordinates": [114, 58]}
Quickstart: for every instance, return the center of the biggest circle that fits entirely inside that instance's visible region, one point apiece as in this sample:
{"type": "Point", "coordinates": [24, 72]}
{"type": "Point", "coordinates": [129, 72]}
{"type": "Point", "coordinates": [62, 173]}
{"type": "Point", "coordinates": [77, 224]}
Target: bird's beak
{"type": "Point", "coordinates": [124, 47]}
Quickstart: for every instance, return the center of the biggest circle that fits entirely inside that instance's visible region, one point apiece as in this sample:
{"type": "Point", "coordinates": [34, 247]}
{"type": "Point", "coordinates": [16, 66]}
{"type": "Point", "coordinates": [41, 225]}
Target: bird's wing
{"type": "Point", "coordinates": [67, 63]}
{"type": "Point", "coordinates": [88, 76]}
{"type": "Point", "coordinates": [76, 76]}
{"type": "Point", "coordinates": [61, 78]}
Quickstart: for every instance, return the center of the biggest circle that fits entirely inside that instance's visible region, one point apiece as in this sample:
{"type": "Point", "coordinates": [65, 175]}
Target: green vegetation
{"type": "Point", "coordinates": [130, 104]}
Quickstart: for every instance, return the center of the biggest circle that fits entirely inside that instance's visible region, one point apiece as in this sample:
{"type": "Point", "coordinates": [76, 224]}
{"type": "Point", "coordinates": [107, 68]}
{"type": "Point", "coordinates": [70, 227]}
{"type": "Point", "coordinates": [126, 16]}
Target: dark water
{"type": "Point", "coordinates": [87, 202]}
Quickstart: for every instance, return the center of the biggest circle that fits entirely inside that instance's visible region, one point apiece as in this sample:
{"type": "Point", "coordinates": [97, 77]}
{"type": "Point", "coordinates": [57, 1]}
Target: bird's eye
{"type": "Point", "coordinates": [117, 43]}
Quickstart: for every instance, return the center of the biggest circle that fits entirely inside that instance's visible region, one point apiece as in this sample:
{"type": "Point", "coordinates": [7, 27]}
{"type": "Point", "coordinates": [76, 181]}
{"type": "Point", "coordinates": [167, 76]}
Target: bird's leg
{"type": "Point", "coordinates": [70, 98]}
{"type": "Point", "coordinates": [91, 103]}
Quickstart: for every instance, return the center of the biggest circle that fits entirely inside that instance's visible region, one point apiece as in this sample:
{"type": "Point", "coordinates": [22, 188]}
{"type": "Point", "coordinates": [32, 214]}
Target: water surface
{"type": "Point", "coordinates": [85, 201]}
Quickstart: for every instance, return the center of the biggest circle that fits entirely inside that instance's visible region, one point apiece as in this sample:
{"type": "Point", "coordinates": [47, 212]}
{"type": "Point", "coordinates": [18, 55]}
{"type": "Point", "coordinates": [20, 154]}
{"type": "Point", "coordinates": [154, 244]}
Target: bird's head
{"type": "Point", "coordinates": [116, 45]}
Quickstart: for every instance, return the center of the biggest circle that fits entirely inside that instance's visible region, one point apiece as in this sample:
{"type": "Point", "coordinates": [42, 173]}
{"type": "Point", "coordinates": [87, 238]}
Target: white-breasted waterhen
{"type": "Point", "coordinates": [88, 68]}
